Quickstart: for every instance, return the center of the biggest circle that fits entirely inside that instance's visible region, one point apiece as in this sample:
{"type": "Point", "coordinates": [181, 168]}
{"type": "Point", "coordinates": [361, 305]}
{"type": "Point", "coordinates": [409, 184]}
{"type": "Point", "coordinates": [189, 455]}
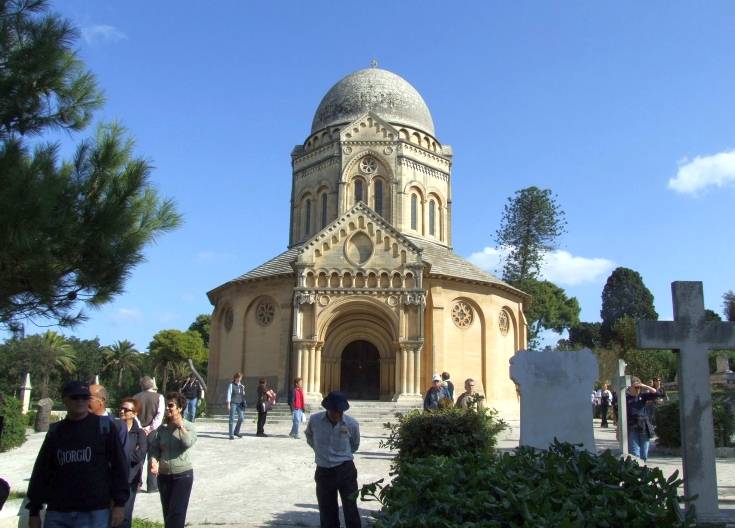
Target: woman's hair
{"type": "Point", "coordinates": [236, 375]}
{"type": "Point", "coordinates": [178, 398]}
{"type": "Point", "coordinates": [296, 381]}
{"type": "Point", "coordinates": [136, 404]}
{"type": "Point", "coordinates": [262, 381]}
{"type": "Point", "coordinates": [634, 380]}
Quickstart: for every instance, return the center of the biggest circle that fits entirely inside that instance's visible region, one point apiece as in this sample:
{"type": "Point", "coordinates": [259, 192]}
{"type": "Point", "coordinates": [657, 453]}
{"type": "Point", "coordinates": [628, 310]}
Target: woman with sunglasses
{"type": "Point", "coordinates": [170, 461]}
{"type": "Point", "coordinates": [136, 448]}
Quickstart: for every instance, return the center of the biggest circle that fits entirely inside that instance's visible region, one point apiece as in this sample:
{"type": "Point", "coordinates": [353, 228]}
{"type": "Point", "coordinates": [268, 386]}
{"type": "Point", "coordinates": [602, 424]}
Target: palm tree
{"type": "Point", "coordinates": [121, 356]}
{"type": "Point", "coordinates": [54, 354]}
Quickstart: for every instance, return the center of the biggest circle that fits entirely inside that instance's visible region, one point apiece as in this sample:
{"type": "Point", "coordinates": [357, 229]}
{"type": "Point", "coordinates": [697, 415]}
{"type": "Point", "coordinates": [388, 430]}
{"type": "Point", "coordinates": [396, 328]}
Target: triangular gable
{"type": "Point", "coordinates": [368, 126]}
{"type": "Point", "coordinates": [361, 237]}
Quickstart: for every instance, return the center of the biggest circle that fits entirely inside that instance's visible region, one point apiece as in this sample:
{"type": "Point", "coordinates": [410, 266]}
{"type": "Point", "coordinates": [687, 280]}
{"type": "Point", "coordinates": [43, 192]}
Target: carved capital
{"type": "Point", "coordinates": [418, 299]}
{"type": "Point", "coordinates": [304, 298]}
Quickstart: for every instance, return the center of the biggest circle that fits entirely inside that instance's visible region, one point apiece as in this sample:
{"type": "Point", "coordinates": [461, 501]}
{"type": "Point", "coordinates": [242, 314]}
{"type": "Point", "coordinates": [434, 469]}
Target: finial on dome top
{"type": "Point", "coordinates": [374, 63]}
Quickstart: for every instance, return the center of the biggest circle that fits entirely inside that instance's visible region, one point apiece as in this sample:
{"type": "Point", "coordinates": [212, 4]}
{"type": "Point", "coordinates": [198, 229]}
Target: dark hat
{"type": "Point", "coordinates": [75, 388]}
{"type": "Point", "coordinates": [336, 401]}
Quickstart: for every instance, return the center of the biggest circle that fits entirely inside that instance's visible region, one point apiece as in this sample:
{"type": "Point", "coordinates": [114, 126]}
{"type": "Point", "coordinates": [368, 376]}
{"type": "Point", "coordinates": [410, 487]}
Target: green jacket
{"type": "Point", "coordinates": [171, 448]}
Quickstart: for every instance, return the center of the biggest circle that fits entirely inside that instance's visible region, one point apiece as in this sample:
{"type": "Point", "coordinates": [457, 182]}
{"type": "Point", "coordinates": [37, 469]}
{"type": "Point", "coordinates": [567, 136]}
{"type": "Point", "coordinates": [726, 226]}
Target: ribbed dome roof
{"type": "Point", "coordinates": [373, 90]}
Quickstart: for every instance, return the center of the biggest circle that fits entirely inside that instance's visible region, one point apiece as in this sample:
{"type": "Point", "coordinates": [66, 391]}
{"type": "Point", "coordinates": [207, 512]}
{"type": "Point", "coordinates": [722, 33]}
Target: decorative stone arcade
{"type": "Point", "coordinates": [328, 322]}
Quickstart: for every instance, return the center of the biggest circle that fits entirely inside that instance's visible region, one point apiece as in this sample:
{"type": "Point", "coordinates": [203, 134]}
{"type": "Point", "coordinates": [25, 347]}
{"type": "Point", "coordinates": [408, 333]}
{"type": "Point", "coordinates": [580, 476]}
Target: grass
{"type": "Point", "coordinates": [145, 523]}
{"type": "Point", "coordinates": [16, 495]}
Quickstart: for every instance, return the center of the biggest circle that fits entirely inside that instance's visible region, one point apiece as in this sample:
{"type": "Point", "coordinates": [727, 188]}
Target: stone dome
{"type": "Point", "coordinates": [373, 90]}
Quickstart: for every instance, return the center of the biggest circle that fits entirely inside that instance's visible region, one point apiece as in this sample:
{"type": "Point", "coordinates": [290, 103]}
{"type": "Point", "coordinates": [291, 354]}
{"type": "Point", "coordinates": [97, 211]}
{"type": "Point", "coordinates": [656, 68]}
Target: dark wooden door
{"type": "Point", "coordinates": [360, 372]}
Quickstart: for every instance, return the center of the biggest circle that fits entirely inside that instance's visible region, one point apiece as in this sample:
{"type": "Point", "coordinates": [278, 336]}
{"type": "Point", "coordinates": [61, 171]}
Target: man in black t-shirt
{"type": "Point", "coordinates": [80, 470]}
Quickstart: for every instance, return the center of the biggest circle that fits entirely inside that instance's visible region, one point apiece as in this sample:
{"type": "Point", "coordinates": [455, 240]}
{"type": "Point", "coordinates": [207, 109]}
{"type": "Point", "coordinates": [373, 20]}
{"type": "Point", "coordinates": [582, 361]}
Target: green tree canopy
{"type": "Point", "coordinates": [201, 325]}
{"type": "Point", "coordinates": [550, 308]}
{"type": "Point", "coordinates": [170, 349]}
{"type": "Point", "coordinates": [584, 335]}
{"type": "Point", "coordinates": [71, 231]}
{"type": "Point", "coordinates": [531, 224]}
{"type": "Point", "coordinates": [624, 294]}
{"type": "Point", "coordinates": [120, 357]}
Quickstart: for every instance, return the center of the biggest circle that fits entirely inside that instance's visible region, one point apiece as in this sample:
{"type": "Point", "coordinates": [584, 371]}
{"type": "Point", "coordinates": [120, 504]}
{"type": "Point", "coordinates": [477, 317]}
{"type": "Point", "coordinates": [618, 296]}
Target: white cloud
{"type": "Point", "coordinates": [126, 315]}
{"type": "Point", "coordinates": [717, 170]}
{"type": "Point", "coordinates": [102, 33]}
{"type": "Point", "coordinates": [559, 267]}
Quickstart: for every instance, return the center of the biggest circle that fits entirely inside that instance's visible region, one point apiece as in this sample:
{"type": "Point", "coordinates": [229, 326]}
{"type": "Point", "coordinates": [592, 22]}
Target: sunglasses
{"type": "Point", "coordinates": [171, 405]}
{"type": "Point", "coordinates": [125, 409]}
{"type": "Point", "coordinates": [77, 397]}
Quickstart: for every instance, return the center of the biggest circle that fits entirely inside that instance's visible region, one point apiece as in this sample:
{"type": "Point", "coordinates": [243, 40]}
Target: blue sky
{"type": "Point", "coordinates": [623, 109]}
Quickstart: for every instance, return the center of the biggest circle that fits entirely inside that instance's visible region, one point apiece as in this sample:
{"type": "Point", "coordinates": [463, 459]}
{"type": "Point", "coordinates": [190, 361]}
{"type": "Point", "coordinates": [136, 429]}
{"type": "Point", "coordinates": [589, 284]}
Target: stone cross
{"type": "Point", "coordinates": [693, 336]}
{"type": "Point", "coordinates": [555, 403]}
{"type": "Point", "coordinates": [621, 384]}
{"type": "Point", "coordinates": [25, 394]}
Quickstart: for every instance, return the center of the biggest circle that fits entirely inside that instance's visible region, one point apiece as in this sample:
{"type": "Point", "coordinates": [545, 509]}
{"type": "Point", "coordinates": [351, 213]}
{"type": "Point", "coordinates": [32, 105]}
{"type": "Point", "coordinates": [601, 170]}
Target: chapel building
{"type": "Point", "coordinates": [369, 297]}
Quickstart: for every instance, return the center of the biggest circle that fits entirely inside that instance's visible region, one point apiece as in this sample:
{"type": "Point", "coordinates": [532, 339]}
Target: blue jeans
{"type": "Point", "coordinates": [191, 410]}
{"type": "Point", "coordinates": [88, 519]}
{"type": "Point", "coordinates": [296, 418]}
{"type": "Point", "coordinates": [236, 408]}
{"type": "Point", "coordinates": [638, 443]}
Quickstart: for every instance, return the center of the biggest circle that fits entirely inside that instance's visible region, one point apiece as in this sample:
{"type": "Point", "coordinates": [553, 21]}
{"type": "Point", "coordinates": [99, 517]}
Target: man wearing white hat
{"type": "Point", "coordinates": [435, 394]}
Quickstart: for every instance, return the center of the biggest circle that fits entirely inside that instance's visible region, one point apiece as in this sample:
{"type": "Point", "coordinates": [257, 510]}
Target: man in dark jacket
{"type": "Point", "coordinates": [81, 469]}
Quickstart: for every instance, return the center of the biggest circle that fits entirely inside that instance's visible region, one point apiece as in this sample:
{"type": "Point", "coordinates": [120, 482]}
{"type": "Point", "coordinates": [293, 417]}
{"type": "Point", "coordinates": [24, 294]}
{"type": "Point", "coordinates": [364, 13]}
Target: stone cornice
{"type": "Point", "coordinates": [317, 167]}
{"type": "Point", "coordinates": [313, 154]}
{"type": "Point", "coordinates": [407, 162]}
{"type": "Point", "coordinates": [415, 149]}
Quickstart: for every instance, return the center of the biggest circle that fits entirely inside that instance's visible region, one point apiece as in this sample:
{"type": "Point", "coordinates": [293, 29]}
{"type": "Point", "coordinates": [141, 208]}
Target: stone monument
{"type": "Point", "coordinates": [621, 383]}
{"type": "Point", "coordinates": [693, 336]}
{"type": "Point", "coordinates": [43, 415]}
{"type": "Point", "coordinates": [723, 375]}
{"type": "Point", "coordinates": [554, 388]}
{"type": "Point", "coordinates": [25, 394]}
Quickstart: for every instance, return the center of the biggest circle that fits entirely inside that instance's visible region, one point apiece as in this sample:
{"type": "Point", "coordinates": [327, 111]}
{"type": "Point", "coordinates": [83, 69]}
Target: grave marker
{"type": "Point", "coordinates": [693, 337]}
{"type": "Point", "coordinates": [555, 389]}
{"type": "Point", "coordinates": [621, 383]}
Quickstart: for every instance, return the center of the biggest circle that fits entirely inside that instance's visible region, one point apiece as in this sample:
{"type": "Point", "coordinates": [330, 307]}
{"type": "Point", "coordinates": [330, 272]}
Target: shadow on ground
{"type": "Point", "coordinates": [309, 517]}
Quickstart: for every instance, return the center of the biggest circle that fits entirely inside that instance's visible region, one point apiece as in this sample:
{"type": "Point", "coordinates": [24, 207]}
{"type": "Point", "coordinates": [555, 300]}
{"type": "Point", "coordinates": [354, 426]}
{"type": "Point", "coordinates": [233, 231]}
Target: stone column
{"type": "Point", "coordinates": [310, 370]}
{"type": "Point", "coordinates": [25, 393]}
{"type": "Point", "coordinates": [410, 373]}
{"type": "Point", "coordinates": [318, 368]}
{"type": "Point", "coordinates": [404, 368]}
{"type": "Point", "coordinates": [417, 370]}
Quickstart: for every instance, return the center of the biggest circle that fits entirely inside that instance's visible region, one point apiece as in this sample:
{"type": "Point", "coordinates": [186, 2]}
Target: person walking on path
{"type": "Point", "coordinates": [150, 416]}
{"type": "Point", "coordinates": [640, 428]}
{"type": "Point", "coordinates": [236, 405]}
{"type": "Point", "coordinates": [98, 405]}
{"type": "Point", "coordinates": [334, 437]}
{"type": "Point", "coordinates": [605, 400]}
{"type": "Point", "coordinates": [193, 392]}
{"type": "Point", "coordinates": [136, 448]}
{"type": "Point", "coordinates": [80, 470]}
{"type": "Point", "coordinates": [266, 399]}
{"type": "Point", "coordinates": [469, 399]}
{"type": "Point", "coordinates": [296, 403]}
{"type": "Point", "coordinates": [170, 461]}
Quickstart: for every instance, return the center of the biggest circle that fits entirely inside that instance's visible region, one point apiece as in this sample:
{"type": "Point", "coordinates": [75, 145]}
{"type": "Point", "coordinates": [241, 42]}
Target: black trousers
{"type": "Point", "coordinates": [175, 491]}
{"type": "Point", "coordinates": [129, 505]}
{"type": "Point", "coordinates": [341, 479]}
{"type": "Point", "coordinates": [261, 422]}
{"type": "Point", "coordinates": [603, 414]}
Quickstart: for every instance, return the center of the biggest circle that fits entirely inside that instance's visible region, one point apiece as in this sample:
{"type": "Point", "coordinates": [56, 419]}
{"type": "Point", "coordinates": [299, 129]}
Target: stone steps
{"type": "Point", "coordinates": [374, 412]}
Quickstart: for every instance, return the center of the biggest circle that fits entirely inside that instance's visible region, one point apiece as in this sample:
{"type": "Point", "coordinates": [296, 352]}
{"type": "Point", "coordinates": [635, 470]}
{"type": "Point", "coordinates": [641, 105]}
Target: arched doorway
{"type": "Point", "coordinates": [360, 371]}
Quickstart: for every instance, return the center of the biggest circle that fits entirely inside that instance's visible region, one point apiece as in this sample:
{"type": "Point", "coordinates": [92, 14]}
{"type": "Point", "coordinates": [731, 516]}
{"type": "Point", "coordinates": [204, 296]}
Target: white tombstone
{"type": "Point", "coordinates": [621, 384]}
{"type": "Point", "coordinates": [693, 336]}
{"type": "Point", "coordinates": [723, 364]}
{"type": "Point", "coordinates": [25, 393]}
{"type": "Point", "coordinates": [554, 389]}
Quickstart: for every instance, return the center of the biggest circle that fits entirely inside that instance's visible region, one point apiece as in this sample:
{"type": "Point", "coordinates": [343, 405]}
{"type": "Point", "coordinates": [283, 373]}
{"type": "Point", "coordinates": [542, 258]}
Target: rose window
{"type": "Point", "coordinates": [504, 322]}
{"type": "Point", "coordinates": [462, 314]}
{"type": "Point", "coordinates": [368, 165]}
{"type": "Point", "coordinates": [264, 313]}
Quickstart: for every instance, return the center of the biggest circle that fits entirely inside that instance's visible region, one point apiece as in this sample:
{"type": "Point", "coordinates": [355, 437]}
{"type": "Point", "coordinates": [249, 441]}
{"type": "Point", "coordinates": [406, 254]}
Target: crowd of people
{"type": "Point", "coordinates": [641, 401]}
{"type": "Point", "coordinates": [441, 394]}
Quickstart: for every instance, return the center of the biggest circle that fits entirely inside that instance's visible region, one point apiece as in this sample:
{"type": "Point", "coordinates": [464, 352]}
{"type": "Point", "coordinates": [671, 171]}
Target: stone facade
{"type": "Point", "coordinates": [369, 297]}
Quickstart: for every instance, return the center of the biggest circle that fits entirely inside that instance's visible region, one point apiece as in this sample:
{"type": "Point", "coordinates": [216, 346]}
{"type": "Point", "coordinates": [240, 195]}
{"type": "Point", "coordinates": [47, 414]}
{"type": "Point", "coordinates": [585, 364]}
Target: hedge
{"type": "Point", "coordinates": [723, 406]}
{"type": "Point", "coordinates": [14, 425]}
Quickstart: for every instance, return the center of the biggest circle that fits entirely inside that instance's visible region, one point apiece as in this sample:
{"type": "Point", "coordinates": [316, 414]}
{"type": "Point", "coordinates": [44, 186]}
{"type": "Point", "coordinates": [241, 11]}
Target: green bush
{"type": "Point", "coordinates": [559, 487]}
{"type": "Point", "coordinates": [445, 432]}
{"type": "Point", "coordinates": [14, 428]}
{"type": "Point", "coordinates": [723, 405]}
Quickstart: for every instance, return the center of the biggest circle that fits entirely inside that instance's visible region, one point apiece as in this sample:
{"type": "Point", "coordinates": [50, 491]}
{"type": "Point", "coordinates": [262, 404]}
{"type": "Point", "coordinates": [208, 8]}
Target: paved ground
{"type": "Point", "coordinates": [269, 481]}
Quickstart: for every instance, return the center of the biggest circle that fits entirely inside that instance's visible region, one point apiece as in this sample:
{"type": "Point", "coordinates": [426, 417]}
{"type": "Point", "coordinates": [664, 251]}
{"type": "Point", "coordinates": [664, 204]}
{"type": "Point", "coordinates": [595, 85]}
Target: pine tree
{"type": "Point", "coordinates": [70, 231]}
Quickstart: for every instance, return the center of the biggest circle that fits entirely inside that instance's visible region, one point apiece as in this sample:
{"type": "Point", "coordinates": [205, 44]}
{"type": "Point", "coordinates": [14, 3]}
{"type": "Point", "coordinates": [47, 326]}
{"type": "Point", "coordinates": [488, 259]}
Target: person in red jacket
{"type": "Point", "coordinates": [296, 402]}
